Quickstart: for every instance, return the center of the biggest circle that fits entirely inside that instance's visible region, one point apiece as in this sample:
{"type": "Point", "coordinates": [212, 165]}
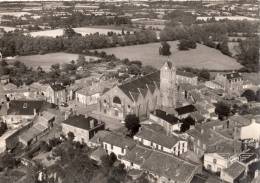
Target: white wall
{"type": "Point", "coordinates": [115, 149]}
{"type": "Point", "coordinates": [80, 134]}
{"type": "Point", "coordinates": [251, 131]}
{"type": "Point", "coordinates": [220, 164]}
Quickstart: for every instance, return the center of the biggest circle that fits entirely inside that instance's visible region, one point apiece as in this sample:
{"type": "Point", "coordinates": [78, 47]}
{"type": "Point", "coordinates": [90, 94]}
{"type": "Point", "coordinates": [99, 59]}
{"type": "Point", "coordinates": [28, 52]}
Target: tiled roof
{"type": "Point", "coordinates": [99, 136]}
{"type": "Point", "coordinates": [119, 141]}
{"type": "Point", "coordinates": [141, 85]}
{"type": "Point", "coordinates": [81, 122]}
{"type": "Point", "coordinates": [34, 131]}
{"type": "Point", "coordinates": [158, 138]}
{"type": "Point", "coordinates": [169, 166]}
{"type": "Point", "coordinates": [235, 170]}
{"type": "Point", "coordinates": [185, 109]}
{"type": "Point", "coordinates": [167, 117]}
{"type": "Point", "coordinates": [24, 107]}
{"type": "Point", "coordinates": [138, 155]}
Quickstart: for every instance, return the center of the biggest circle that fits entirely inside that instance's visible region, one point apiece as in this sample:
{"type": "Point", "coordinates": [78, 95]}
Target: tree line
{"type": "Point", "coordinates": [72, 18]}
{"type": "Point", "coordinates": [16, 43]}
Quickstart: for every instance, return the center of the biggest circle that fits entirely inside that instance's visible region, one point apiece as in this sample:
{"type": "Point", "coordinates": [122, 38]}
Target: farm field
{"type": "Point", "coordinates": [81, 30]}
{"type": "Point", "coordinates": [7, 29]}
{"type": "Point", "coordinates": [45, 61]}
{"type": "Point", "coordinates": [201, 57]}
{"type": "Point", "coordinates": [217, 18]}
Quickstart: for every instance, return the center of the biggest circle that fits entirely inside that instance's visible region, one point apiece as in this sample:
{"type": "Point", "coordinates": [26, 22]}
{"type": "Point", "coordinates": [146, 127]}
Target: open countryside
{"type": "Point", "coordinates": [201, 57]}
{"type": "Point", "coordinates": [82, 30]}
{"type": "Point", "coordinates": [45, 61]}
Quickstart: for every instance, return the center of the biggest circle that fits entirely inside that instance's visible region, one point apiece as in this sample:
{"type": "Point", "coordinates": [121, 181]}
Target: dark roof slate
{"type": "Point", "coordinates": [24, 107]}
{"type": "Point", "coordinates": [186, 109]}
{"type": "Point", "coordinates": [80, 122]}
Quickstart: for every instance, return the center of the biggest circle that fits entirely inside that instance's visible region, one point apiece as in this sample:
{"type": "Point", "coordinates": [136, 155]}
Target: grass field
{"type": "Point", "coordinates": [201, 57]}
{"type": "Point", "coordinates": [45, 61]}
{"type": "Point", "coordinates": [81, 30]}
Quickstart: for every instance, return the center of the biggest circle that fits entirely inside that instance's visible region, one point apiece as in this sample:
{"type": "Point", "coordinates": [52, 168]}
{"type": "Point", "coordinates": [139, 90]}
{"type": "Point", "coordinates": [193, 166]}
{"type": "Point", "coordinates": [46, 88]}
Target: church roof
{"type": "Point", "coordinates": [141, 85]}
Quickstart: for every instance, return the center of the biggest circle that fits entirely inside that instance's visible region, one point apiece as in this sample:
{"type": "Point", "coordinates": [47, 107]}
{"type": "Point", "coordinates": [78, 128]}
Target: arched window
{"type": "Point", "coordinates": [116, 100]}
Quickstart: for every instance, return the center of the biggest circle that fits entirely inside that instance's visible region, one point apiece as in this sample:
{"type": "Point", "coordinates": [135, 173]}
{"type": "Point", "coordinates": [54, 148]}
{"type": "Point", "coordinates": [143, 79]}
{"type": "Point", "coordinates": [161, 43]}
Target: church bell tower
{"type": "Point", "coordinates": [168, 85]}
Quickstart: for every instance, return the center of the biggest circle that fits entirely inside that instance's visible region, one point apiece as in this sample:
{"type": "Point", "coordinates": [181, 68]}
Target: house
{"type": "Point", "coordinates": [233, 173]}
{"type": "Point", "coordinates": [136, 157]}
{"type": "Point", "coordinates": [164, 167]}
{"type": "Point", "coordinates": [5, 138]}
{"type": "Point", "coordinates": [231, 82]}
{"type": "Point", "coordinates": [161, 142]}
{"type": "Point", "coordinates": [92, 90]}
{"type": "Point", "coordinates": [168, 121]}
{"type": "Point", "coordinates": [22, 92]}
{"type": "Point", "coordinates": [56, 94]}
{"type": "Point", "coordinates": [186, 77]}
{"type": "Point", "coordinates": [185, 111]}
{"type": "Point", "coordinates": [98, 138]}
{"type": "Point", "coordinates": [213, 136]}
{"type": "Point", "coordinates": [22, 110]}
{"type": "Point", "coordinates": [215, 162]}
{"type": "Point", "coordinates": [87, 95]}
{"type": "Point", "coordinates": [41, 125]}
{"type": "Point", "coordinates": [119, 145]}
{"type": "Point", "coordinates": [82, 128]}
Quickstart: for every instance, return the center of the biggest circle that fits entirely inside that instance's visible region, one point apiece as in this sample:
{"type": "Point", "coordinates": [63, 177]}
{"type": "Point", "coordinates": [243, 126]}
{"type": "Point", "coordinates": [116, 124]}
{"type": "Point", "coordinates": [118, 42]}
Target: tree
{"type": "Point", "coordinates": [165, 49]}
{"type": "Point", "coordinates": [108, 160]}
{"type": "Point", "coordinates": [222, 109]}
{"type": "Point", "coordinates": [132, 123]}
{"type": "Point", "coordinates": [186, 123]}
{"type": "Point", "coordinates": [186, 44]}
{"type": "Point", "coordinates": [81, 61]}
{"type": "Point", "coordinates": [249, 94]}
{"type": "Point", "coordinates": [71, 136]}
{"type": "Point", "coordinates": [204, 74]}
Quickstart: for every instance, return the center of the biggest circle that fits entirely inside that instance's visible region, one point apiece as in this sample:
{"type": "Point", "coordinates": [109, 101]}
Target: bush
{"type": "Point", "coordinates": [132, 123]}
{"type": "Point", "coordinates": [250, 95]}
{"type": "Point", "coordinates": [165, 49]}
{"type": "Point", "coordinates": [186, 44]}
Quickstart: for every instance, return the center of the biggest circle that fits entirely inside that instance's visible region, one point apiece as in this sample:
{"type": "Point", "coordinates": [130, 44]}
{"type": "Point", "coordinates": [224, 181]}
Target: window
{"type": "Point", "coordinates": [106, 146]}
{"type": "Point", "coordinates": [214, 161]}
{"type": "Point", "coordinates": [116, 100]}
{"type": "Point", "coordinates": [132, 164]}
{"type": "Point", "coordinates": [111, 147]}
{"type": "Point", "coordinates": [122, 151]}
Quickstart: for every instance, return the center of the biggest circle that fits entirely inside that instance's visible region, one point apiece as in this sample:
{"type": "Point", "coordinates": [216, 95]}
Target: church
{"type": "Point", "coordinates": [142, 95]}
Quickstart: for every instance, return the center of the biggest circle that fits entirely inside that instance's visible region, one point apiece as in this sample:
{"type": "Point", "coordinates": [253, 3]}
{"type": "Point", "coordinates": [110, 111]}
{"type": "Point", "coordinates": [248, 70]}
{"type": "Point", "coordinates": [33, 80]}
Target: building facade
{"type": "Point", "coordinates": [142, 95]}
